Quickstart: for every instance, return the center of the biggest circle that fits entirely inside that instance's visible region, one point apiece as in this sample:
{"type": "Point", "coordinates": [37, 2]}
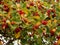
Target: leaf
{"type": "Point", "coordinates": [36, 17]}
{"type": "Point", "coordinates": [17, 35]}
{"type": "Point", "coordinates": [23, 5]}
{"type": "Point", "coordinates": [46, 4]}
{"type": "Point", "coordinates": [58, 28]}
{"type": "Point", "coordinates": [39, 31]}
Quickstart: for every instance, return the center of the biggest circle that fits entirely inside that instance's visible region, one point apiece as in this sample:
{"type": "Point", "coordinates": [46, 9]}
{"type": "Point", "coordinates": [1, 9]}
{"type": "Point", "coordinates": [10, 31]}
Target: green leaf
{"type": "Point", "coordinates": [58, 28]}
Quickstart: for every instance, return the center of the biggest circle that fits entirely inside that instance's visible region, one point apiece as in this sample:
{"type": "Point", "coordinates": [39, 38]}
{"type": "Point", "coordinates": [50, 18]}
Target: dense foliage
{"type": "Point", "coordinates": [33, 22]}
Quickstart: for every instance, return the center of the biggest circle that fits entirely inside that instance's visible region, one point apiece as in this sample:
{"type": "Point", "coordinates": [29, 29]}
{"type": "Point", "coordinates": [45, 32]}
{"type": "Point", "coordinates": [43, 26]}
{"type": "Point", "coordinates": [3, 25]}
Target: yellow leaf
{"type": "Point", "coordinates": [49, 23]}
{"type": "Point", "coordinates": [58, 41]}
{"type": "Point", "coordinates": [55, 21]}
{"type": "Point", "coordinates": [38, 23]}
{"type": "Point", "coordinates": [17, 35]}
{"type": "Point", "coordinates": [25, 10]}
{"type": "Point", "coordinates": [36, 17]}
{"type": "Point", "coordinates": [8, 21]}
{"type": "Point", "coordinates": [18, 5]}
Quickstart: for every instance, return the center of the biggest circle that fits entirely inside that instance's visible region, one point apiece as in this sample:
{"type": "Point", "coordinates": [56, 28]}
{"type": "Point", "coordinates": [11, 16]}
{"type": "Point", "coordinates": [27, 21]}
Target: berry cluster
{"type": "Point", "coordinates": [34, 22]}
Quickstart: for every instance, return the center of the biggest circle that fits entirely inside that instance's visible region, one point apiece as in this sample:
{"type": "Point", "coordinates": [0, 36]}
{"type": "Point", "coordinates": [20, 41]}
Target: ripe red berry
{"type": "Point", "coordinates": [58, 37]}
{"type": "Point", "coordinates": [44, 22]}
{"type": "Point", "coordinates": [21, 12]}
{"type": "Point", "coordinates": [4, 20]}
{"type": "Point", "coordinates": [48, 12]}
{"type": "Point", "coordinates": [18, 29]}
{"type": "Point", "coordinates": [55, 43]}
{"type": "Point", "coordinates": [5, 8]}
{"type": "Point", "coordinates": [35, 14]}
{"type": "Point", "coordinates": [35, 27]}
{"type": "Point", "coordinates": [31, 4]}
{"type": "Point", "coordinates": [53, 10]}
{"type": "Point", "coordinates": [1, 2]}
{"type": "Point", "coordinates": [12, 22]}
{"type": "Point", "coordinates": [54, 15]}
{"type": "Point", "coordinates": [4, 26]}
{"type": "Point", "coordinates": [39, 7]}
{"type": "Point", "coordinates": [52, 32]}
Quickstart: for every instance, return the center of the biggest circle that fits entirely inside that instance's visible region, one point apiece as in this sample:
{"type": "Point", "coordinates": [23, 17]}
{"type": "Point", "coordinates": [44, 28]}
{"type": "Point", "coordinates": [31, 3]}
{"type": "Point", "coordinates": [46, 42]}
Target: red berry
{"type": "Point", "coordinates": [44, 22]}
{"type": "Point", "coordinates": [39, 7]}
{"type": "Point", "coordinates": [54, 15]}
{"type": "Point", "coordinates": [35, 14]}
{"type": "Point", "coordinates": [52, 32]}
{"type": "Point", "coordinates": [55, 43]}
{"type": "Point", "coordinates": [58, 37]}
{"type": "Point", "coordinates": [36, 26]}
{"type": "Point", "coordinates": [1, 2]}
{"type": "Point", "coordinates": [12, 22]}
{"type": "Point", "coordinates": [18, 29]}
{"type": "Point", "coordinates": [53, 10]}
{"type": "Point", "coordinates": [4, 26]}
{"type": "Point", "coordinates": [4, 20]}
{"type": "Point", "coordinates": [5, 8]}
{"type": "Point", "coordinates": [17, 1]}
{"type": "Point", "coordinates": [57, 0]}
{"type": "Point", "coordinates": [31, 4]}
{"type": "Point", "coordinates": [21, 12]}
{"type": "Point", "coordinates": [48, 12]}
{"type": "Point", "coordinates": [58, 24]}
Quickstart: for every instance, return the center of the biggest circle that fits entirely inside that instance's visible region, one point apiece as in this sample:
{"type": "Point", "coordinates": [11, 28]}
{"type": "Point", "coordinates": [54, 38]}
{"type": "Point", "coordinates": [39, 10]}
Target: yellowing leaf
{"type": "Point", "coordinates": [49, 23]}
{"type": "Point", "coordinates": [38, 23]}
{"type": "Point", "coordinates": [36, 17]}
{"type": "Point", "coordinates": [55, 21]}
{"type": "Point", "coordinates": [25, 10]}
{"type": "Point", "coordinates": [17, 35]}
{"type": "Point", "coordinates": [58, 41]}
{"type": "Point", "coordinates": [18, 5]}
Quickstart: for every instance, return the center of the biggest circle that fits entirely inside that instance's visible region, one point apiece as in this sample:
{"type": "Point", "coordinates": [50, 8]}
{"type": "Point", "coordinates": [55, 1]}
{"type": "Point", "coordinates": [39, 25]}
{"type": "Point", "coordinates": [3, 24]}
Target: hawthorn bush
{"type": "Point", "coordinates": [33, 22]}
